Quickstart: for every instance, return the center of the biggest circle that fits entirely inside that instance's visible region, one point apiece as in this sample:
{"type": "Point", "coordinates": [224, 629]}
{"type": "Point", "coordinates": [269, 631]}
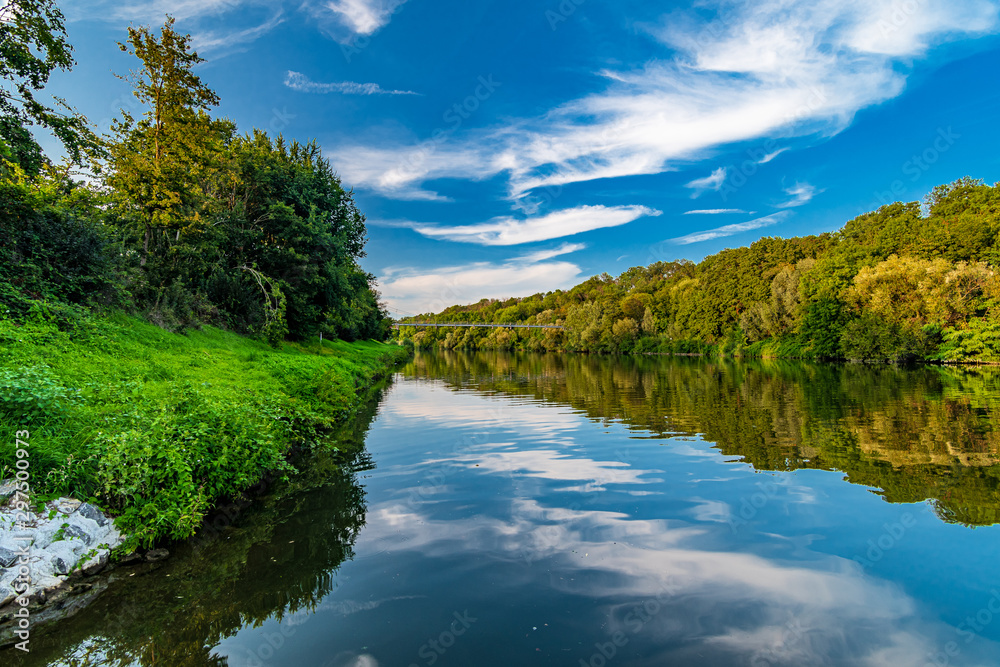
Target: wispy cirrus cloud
{"type": "Point", "coordinates": [713, 181]}
{"type": "Point", "coordinates": [153, 11]}
{"type": "Point", "coordinates": [730, 230]}
{"type": "Point", "coordinates": [341, 19]}
{"type": "Point", "coordinates": [303, 84]}
{"type": "Point", "coordinates": [416, 290]}
{"type": "Point", "coordinates": [800, 193]}
{"type": "Point", "coordinates": [773, 68]}
{"type": "Point", "coordinates": [513, 231]}
{"type": "Point", "coordinates": [714, 211]}
{"type": "Point", "coordinates": [214, 40]}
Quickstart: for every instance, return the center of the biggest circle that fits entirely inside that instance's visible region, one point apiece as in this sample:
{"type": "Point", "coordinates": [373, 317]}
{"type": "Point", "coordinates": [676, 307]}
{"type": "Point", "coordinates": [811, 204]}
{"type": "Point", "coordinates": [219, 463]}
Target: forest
{"type": "Point", "coordinates": [910, 281]}
{"type": "Point", "coordinates": [181, 305]}
{"type": "Point", "coordinates": [176, 217]}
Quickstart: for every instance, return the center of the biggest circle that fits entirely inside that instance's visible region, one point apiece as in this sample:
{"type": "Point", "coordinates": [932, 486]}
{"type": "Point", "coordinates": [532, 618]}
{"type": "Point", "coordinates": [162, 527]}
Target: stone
{"type": "Point", "coordinates": [61, 557]}
{"type": "Point", "coordinates": [130, 558]}
{"type": "Point", "coordinates": [7, 489]}
{"type": "Point", "coordinates": [95, 564]}
{"type": "Point", "coordinates": [156, 554]}
{"type": "Point", "coordinates": [8, 557]}
{"type": "Point", "coordinates": [90, 512]}
{"type": "Point", "coordinates": [67, 505]}
{"type": "Point", "coordinates": [7, 595]}
{"type": "Point", "coordinates": [61, 566]}
{"type": "Point", "coordinates": [78, 532]}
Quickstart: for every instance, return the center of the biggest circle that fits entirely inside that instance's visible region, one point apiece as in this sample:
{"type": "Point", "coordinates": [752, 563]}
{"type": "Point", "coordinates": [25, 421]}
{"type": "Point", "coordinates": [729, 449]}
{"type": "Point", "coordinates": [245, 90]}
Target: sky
{"type": "Point", "coordinates": [508, 148]}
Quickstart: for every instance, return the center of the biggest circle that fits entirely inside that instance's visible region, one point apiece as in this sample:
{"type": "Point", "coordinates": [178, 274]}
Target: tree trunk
{"type": "Point", "coordinates": [145, 247]}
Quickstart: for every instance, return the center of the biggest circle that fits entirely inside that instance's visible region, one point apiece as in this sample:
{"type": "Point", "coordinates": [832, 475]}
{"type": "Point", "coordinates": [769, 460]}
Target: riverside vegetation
{"type": "Point", "coordinates": [903, 282]}
{"type": "Point", "coordinates": [161, 321]}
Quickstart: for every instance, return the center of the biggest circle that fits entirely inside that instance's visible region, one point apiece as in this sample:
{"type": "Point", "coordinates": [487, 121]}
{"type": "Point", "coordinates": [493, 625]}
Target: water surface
{"type": "Point", "coordinates": [568, 510]}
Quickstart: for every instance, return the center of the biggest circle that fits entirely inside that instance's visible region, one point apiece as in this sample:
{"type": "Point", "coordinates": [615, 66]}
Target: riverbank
{"type": "Point", "coordinates": [158, 428]}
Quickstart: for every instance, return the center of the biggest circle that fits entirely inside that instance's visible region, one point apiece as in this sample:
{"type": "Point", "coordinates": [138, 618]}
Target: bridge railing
{"type": "Point", "coordinates": [470, 325]}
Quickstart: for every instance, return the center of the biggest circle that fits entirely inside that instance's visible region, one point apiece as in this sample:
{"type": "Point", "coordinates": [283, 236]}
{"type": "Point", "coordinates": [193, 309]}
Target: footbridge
{"type": "Point", "coordinates": [473, 325]}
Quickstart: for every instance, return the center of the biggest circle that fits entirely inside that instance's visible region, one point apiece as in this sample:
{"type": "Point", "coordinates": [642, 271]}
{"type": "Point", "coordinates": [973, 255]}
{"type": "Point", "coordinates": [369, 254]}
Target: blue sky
{"type": "Point", "coordinates": [507, 148]}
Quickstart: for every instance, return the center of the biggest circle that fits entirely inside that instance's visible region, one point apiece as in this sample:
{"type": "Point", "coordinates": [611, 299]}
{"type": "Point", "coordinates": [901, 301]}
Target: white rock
{"type": "Point", "coordinates": [66, 505]}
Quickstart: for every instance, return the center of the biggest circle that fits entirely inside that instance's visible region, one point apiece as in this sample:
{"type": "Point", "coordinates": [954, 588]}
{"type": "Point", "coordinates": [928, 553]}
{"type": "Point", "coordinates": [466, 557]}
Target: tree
{"type": "Point", "coordinates": [33, 44]}
{"type": "Point", "coordinates": [163, 163]}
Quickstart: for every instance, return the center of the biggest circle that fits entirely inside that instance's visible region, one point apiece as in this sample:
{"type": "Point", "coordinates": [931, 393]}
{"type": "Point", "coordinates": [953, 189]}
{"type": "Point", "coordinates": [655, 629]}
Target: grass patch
{"type": "Point", "coordinates": [158, 427]}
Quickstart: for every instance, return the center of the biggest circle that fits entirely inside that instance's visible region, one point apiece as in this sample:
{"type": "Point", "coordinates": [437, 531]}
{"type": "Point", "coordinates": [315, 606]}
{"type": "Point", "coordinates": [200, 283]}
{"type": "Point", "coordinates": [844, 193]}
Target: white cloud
{"type": "Point", "coordinates": [212, 40]}
{"type": "Point", "coordinates": [363, 17]}
{"type": "Point", "coordinates": [713, 181]}
{"type": "Point", "coordinates": [303, 84]}
{"type": "Point", "coordinates": [411, 290]}
{"type": "Point", "coordinates": [775, 68]}
{"type": "Point", "coordinates": [543, 255]}
{"type": "Point", "coordinates": [730, 230]}
{"type": "Point", "coordinates": [714, 211]}
{"type": "Point", "coordinates": [343, 19]}
{"type": "Point", "coordinates": [154, 11]}
{"type": "Point", "coordinates": [800, 193]}
{"type": "Point", "coordinates": [770, 156]}
{"type": "Point", "coordinates": [512, 231]}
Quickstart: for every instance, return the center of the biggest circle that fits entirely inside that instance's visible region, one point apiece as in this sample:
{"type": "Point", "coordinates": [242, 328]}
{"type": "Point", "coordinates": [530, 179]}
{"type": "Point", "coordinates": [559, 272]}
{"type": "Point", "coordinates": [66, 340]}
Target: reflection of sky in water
{"type": "Point", "coordinates": [556, 533]}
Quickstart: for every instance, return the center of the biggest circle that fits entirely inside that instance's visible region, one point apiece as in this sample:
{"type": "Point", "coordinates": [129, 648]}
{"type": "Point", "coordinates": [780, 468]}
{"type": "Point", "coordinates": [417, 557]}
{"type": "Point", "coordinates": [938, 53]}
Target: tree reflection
{"type": "Point", "coordinates": [913, 434]}
{"type": "Point", "coordinates": [278, 557]}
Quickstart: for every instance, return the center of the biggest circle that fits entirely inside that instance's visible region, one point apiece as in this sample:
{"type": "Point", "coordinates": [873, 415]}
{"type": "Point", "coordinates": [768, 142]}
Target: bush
{"type": "Point", "coordinates": [53, 246]}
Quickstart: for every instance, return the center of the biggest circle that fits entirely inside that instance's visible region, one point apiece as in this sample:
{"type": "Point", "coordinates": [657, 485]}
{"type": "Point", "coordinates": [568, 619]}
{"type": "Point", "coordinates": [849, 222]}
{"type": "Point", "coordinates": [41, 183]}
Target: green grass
{"type": "Point", "coordinates": [159, 427]}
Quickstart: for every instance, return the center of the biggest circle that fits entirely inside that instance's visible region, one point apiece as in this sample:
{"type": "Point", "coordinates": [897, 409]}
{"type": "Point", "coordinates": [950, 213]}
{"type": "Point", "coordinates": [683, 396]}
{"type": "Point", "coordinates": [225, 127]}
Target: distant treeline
{"type": "Point", "coordinates": [182, 219]}
{"type": "Point", "coordinates": [903, 282]}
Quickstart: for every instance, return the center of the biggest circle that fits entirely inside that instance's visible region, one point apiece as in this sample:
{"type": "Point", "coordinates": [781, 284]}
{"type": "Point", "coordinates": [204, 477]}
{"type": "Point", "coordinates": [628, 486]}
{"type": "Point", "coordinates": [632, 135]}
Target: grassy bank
{"type": "Point", "coordinates": [158, 427]}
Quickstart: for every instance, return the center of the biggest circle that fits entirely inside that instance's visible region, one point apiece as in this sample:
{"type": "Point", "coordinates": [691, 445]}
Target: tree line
{"type": "Point", "coordinates": [907, 281]}
{"type": "Point", "coordinates": [180, 217]}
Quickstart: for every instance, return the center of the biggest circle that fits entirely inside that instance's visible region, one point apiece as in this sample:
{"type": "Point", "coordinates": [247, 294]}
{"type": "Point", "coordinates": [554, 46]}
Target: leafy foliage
{"type": "Point", "coordinates": [159, 427]}
{"type": "Point", "coordinates": [895, 284]}
{"type": "Point", "coordinates": [33, 45]}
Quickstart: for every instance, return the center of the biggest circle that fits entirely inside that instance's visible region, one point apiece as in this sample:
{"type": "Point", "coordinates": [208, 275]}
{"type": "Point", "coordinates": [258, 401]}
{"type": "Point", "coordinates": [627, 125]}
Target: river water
{"type": "Point", "coordinates": [572, 510]}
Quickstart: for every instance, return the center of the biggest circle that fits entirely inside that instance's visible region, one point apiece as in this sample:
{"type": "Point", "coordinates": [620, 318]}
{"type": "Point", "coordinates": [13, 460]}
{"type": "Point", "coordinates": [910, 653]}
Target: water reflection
{"type": "Point", "coordinates": [275, 559]}
{"type": "Point", "coordinates": [913, 434]}
{"type": "Point", "coordinates": [528, 510]}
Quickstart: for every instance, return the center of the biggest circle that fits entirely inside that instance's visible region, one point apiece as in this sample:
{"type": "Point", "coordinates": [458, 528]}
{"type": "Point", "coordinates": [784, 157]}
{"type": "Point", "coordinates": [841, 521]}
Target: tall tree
{"type": "Point", "coordinates": [163, 163]}
{"type": "Point", "coordinates": [33, 44]}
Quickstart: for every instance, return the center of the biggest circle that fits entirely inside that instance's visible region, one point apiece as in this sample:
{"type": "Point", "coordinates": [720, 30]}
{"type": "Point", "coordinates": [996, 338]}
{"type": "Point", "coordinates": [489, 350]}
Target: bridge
{"type": "Point", "coordinates": [469, 325]}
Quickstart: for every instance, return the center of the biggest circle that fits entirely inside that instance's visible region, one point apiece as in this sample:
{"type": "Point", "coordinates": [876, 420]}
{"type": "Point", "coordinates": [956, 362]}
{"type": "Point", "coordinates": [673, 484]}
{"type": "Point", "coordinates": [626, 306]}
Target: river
{"type": "Point", "coordinates": [503, 509]}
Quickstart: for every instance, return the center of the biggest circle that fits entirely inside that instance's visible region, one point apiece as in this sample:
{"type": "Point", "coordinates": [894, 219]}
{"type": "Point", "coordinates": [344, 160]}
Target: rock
{"type": "Point", "coordinates": [90, 512]}
{"type": "Point", "coordinates": [67, 505]}
{"type": "Point", "coordinates": [130, 558]}
{"type": "Point", "coordinates": [68, 540]}
{"type": "Point", "coordinates": [7, 557]}
{"type": "Point", "coordinates": [7, 489]}
{"type": "Point", "coordinates": [95, 564]}
{"type": "Point", "coordinates": [78, 532]}
{"type": "Point", "coordinates": [62, 557]}
{"type": "Point", "coordinates": [156, 554]}
{"type": "Point", "coordinates": [7, 595]}
{"type": "Point", "coordinates": [62, 566]}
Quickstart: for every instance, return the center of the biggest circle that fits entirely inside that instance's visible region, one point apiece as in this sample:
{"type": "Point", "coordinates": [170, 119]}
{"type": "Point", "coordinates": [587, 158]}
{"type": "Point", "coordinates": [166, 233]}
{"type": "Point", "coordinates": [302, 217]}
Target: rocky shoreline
{"type": "Point", "coordinates": [46, 551]}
